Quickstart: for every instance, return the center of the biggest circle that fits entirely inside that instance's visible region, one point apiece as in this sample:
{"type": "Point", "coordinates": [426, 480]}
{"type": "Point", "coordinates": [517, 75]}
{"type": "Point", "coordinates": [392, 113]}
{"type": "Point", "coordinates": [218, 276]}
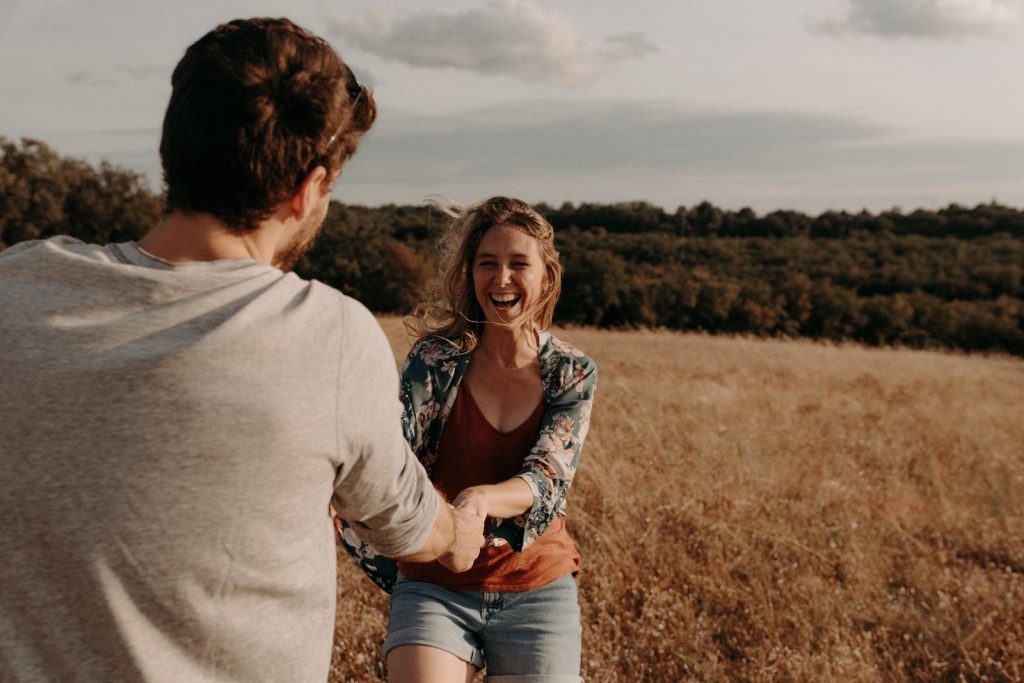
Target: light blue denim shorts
{"type": "Point", "coordinates": [532, 635]}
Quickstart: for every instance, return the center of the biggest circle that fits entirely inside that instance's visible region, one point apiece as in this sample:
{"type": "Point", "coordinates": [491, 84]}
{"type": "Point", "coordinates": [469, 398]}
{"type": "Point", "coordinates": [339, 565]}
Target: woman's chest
{"type": "Point", "coordinates": [505, 399]}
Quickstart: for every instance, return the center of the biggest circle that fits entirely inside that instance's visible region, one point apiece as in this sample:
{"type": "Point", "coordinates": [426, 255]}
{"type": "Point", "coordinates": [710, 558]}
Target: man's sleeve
{"type": "Point", "coordinates": [381, 489]}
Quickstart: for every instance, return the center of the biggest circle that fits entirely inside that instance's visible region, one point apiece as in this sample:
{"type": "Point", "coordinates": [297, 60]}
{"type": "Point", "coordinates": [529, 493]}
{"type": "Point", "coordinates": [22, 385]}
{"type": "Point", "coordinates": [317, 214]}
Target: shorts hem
{"type": "Point", "coordinates": [534, 678]}
{"type": "Point", "coordinates": [466, 653]}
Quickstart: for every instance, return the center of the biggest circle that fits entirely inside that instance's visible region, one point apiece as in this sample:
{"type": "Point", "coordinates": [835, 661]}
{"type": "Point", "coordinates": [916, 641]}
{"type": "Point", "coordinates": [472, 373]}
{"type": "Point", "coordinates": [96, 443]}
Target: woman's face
{"type": "Point", "coordinates": [509, 277]}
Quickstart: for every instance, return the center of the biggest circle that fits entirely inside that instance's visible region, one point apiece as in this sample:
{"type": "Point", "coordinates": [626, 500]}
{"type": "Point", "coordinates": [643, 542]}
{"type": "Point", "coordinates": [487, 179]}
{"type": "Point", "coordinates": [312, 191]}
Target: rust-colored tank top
{"type": "Point", "coordinates": [472, 452]}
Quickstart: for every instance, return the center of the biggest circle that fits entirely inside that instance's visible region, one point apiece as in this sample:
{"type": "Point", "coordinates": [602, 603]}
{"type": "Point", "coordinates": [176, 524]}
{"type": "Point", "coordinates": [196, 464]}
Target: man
{"type": "Point", "coordinates": [180, 414]}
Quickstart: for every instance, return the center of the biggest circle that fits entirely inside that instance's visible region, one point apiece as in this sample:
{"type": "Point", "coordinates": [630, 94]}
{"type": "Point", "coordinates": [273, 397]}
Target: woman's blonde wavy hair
{"type": "Point", "coordinates": [451, 311]}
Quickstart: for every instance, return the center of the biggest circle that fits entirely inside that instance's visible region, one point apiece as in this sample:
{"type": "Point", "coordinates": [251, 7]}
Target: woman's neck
{"type": "Point", "coordinates": [508, 347]}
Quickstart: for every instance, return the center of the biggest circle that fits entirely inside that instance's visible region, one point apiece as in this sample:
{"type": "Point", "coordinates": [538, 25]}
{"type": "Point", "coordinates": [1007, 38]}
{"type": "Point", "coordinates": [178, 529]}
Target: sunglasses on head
{"type": "Point", "coordinates": [355, 92]}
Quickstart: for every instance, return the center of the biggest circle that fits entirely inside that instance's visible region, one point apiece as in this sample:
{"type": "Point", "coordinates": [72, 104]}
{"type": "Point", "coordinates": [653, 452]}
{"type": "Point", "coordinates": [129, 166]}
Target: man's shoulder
{"type": "Point", "coordinates": [355, 313]}
{"type": "Point", "coordinates": [325, 295]}
{"type": "Point", "coordinates": [40, 246]}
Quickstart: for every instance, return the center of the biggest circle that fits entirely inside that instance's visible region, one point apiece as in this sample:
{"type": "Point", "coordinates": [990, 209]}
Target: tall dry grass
{"type": "Point", "coordinates": [784, 511]}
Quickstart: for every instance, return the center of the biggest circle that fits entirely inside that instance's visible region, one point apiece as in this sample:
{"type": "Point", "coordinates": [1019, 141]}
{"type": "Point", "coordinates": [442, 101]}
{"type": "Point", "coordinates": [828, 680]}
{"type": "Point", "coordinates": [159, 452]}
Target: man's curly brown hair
{"type": "Point", "coordinates": [256, 104]}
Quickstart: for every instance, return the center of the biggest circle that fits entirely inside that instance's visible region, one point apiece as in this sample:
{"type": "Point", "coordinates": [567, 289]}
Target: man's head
{"type": "Point", "coordinates": [256, 105]}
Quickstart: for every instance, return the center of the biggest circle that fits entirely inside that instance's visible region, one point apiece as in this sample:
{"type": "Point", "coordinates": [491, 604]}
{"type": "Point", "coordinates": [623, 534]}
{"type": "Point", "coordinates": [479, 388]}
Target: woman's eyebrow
{"type": "Point", "coordinates": [487, 254]}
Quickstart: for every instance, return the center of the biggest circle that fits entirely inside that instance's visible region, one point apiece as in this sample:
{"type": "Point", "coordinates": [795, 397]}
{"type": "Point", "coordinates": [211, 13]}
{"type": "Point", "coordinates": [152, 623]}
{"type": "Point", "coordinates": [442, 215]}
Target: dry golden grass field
{"type": "Point", "coordinates": [784, 511]}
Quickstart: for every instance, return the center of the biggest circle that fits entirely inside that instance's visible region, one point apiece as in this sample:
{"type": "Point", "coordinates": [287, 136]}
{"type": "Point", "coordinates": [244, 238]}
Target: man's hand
{"type": "Point", "coordinates": [468, 519]}
{"type": "Point", "coordinates": [455, 538]}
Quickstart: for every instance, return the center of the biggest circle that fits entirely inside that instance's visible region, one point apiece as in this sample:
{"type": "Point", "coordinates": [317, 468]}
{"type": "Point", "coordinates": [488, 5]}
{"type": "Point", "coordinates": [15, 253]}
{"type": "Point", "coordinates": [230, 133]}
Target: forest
{"type": "Point", "coordinates": [951, 278]}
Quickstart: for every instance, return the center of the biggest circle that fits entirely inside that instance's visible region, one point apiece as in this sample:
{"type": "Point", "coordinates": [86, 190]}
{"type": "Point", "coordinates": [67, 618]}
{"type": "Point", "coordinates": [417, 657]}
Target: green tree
{"type": "Point", "coordinates": [42, 194]}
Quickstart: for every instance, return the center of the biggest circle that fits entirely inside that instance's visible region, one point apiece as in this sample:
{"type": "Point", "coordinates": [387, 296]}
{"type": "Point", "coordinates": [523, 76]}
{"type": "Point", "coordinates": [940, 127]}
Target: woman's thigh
{"type": "Point", "coordinates": [427, 664]}
{"type": "Point", "coordinates": [534, 635]}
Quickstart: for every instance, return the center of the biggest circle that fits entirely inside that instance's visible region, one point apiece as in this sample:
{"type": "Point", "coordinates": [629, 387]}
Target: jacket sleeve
{"type": "Point", "coordinates": [382, 570]}
{"type": "Point", "coordinates": [552, 462]}
{"type": "Point", "coordinates": [420, 409]}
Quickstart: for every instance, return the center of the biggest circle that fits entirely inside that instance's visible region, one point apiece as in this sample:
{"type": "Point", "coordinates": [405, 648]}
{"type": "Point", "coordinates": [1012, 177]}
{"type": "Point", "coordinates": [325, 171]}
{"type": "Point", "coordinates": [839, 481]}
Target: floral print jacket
{"type": "Point", "coordinates": [430, 382]}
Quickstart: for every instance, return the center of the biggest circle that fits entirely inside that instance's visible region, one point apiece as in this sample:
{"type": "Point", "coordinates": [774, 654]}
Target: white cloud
{"type": "Point", "coordinates": [511, 37]}
{"type": "Point", "coordinates": [85, 77]}
{"type": "Point", "coordinates": [928, 18]}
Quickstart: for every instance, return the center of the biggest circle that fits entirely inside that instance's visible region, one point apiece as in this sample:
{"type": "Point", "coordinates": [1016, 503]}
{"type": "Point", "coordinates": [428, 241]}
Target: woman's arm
{"type": "Point", "coordinates": [548, 470]}
{"type": "Point", "coordinates": [510, 498]}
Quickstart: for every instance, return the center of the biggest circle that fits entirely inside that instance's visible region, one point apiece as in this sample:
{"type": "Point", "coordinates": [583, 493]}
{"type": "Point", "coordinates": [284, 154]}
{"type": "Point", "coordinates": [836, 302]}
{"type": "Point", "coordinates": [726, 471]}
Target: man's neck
{"type": "Point", "coordinates": [183, 237]}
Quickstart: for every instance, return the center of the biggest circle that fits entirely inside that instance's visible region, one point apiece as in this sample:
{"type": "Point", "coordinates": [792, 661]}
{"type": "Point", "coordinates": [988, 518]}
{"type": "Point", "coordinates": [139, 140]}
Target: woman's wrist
{"type": "Point", "coordinates": [509, 498]}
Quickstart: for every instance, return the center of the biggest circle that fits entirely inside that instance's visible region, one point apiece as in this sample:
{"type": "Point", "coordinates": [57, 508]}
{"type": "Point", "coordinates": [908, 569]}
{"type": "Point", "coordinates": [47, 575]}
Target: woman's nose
{"type": "Point", "coordinates": [505, 275]}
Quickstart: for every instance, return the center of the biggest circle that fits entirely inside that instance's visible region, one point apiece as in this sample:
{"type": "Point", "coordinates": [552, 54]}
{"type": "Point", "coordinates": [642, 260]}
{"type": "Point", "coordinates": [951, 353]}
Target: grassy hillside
{"type": "Point", "coordinates": [783, 510]}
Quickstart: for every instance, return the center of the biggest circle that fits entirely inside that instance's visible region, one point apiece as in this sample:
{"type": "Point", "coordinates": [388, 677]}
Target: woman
{"type": "Point", "coordinates": [496, 409]}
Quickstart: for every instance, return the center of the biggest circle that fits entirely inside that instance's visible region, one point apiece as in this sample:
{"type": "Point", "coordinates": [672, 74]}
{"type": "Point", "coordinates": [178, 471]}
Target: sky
{"type": "Point", "coordinates": [790, 104]}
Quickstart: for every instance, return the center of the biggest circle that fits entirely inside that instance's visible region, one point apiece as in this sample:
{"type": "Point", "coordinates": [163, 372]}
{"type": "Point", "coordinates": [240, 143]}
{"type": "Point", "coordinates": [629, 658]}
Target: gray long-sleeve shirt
{"type": "Point", "coordinates": [171, 437]}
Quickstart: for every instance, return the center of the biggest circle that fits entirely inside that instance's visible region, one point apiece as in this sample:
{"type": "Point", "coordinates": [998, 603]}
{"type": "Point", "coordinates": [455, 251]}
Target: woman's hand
{"type": "Point", "coordinates": [474, 498]}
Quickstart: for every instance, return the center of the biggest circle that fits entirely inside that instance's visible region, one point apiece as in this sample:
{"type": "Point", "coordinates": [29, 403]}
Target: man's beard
{"type": "Point", "coordinates": [301, 242]}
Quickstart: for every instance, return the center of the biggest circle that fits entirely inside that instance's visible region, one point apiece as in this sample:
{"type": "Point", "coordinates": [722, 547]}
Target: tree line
{"type": "Point", "coordinates": [951, 278]}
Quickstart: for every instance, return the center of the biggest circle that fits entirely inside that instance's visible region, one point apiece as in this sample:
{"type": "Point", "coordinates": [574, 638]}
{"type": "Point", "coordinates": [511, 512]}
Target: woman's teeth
{"type": "Point", "coordinates": [504, 300]}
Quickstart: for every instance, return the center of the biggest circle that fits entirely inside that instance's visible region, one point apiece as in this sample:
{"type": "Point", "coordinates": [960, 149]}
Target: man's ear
{"type": "Point", "coordinates": [309, 193]}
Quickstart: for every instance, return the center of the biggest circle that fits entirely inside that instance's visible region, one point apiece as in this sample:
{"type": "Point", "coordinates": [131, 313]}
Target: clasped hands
{"type": "Point", "coordinates": [468, 511]}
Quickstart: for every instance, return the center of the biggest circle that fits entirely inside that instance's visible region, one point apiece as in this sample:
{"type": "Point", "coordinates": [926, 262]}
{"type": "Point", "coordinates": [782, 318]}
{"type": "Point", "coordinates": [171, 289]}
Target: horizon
{"type": "Point", "coordinates": [424, 203]}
